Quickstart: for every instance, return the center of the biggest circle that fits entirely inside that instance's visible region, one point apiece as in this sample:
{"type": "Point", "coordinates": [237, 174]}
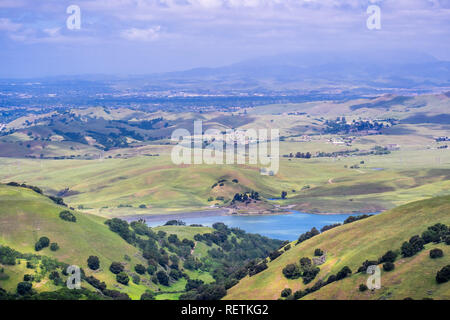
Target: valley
{"type": "Point", "coordinates": [112, 169]}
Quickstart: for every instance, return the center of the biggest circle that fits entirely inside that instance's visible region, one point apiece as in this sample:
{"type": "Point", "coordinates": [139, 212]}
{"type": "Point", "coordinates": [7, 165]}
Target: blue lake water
{"type": "Point", "coordinates": [283, 227]}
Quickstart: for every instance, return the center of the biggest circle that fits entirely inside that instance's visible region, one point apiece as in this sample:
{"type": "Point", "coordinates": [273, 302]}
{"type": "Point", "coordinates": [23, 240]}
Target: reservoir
{"type": "Point", "coordinates": [283, 227]}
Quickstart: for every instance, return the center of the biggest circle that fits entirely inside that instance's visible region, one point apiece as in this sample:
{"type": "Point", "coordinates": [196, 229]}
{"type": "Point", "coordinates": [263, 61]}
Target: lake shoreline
{"type": "Point", "coordinates": [222, 212]}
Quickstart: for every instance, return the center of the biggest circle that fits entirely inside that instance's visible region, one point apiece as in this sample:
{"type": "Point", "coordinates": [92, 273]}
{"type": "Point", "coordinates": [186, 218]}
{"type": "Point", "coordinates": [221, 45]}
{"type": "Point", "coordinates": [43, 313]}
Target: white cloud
{"type": "Point", "coordinates": [150, 34]}
{"type": "Point", "coordinates": [8, 25]}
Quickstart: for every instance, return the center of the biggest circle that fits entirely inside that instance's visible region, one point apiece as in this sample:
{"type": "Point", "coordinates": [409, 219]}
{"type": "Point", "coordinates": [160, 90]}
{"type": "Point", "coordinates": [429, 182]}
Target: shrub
{"type": "Point", "coordinates": [54, 246]}
{"type": "Point", "coordinates": [100, 285]}
{"type": "Point", "coordinates": [431, 236]}
{"type": "Point", "coordinates": [307, 235]}
{"type": "Point", "coordinates": [257, 268]}
{"type": "Point", "coordinates": [299, 294]}
{"type": "Point", "coordinates": [436, 253]}
{"type": "Point", "coordinates": [310, 274]}
{"type": "Point", "coordinates": [139, 268]}
{"type": "Point", "coordinates": [389, 256]}
{"type": "Point", "coordinates": [388, 266]}
{"type": "Point", "coordinates": [148, 295]}
{"type": "Point", "coordinates": [318, 252]}
{"type": "Point", "coordinates": [136, 279]}
{"type": "Point", "coordinates": [275, 254]}
{"type": "Point", "coordinates": [447, 240]}
{"type": "Point", "coordinates": [24, 288]}
{"type": "Point", "coordinates": [193, 284]}
{"type": "Point", "coordinates": [305, 263]}
{"type": "Point", "coordinates": [122, 278]}
{"type": "Point", "coordinates": [28, 277]}
{"type": "Point", "coordinates": [291, 271]}
{"type": "Point", "coordinates": [443, 275]}
{"type": "Point", "coordinates": [42, 243]}
{"type": "Point", "coordinates": [345, 271]}
{"type": "Point", "coordinates": [151, 269]}
{"type": "Point", "coordinates": [116, 267]}
{"type": "Point", "coordinates": [412, 247]}
{"type": "Point", "coordinates": [331, 279]}
{"type": "Point", "coordinates": [363, 287]}
{"type": "Point", "coordinates": [286, 292]}
{"type": "Point", "coordinates": [67, 216]}
{"type": "Point", "coordinates": [163, 278]}
{"type": "Point", "coordinates": [93, 262]}
{"type": "Point", "coordinates": [366, 265]}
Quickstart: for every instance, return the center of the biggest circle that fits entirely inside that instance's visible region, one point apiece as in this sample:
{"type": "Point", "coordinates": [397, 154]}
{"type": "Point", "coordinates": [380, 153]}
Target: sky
{"type": "Point", "coordinates": [127, 37]}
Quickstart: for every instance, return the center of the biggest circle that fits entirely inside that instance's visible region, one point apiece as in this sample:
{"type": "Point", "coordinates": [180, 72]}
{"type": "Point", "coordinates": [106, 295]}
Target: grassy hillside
{"type": "Point", "coordinates": [169, 256]}
{"type": "Point", "coordinates": [352, 244]}
{"type": "Point", "coordinates": [25, 216]}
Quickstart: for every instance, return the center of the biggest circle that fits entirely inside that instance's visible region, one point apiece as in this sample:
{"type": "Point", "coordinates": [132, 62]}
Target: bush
{"type": "Point", "coordinates": [412, 247]}
{"type": "Point", "coordinates": [100, 285]}
{"type": "Point", "coordinates": [122, 278]}
{"type": "Point", "coordinates": [24, 288]}
{"type": "Point", "coordinates": [136, 279]}
{"type": "Point", "coordinates": [366, 265]}
{"type": "Point", "coordinates": [151, 269]}
{"type": "Point", "coordinates": [93, 262]}
{"type": "Point", "coordinates": [389, 256]}
{"type": "Point", "coordinates": [443, 275]}
{"type": "Point", "coordinates": [436, 253]}
{"type": "Point", "coordinates": [331, 279]}
{"type": "Point", "coordinates": [28, 277]}
{"type": "Point", "coordinates": [291, 271]}
{"type": "Point", "coordinates": [193, 284]}
{"type": "Point", "coordinates": [299, 294]}
{"type": "Point", "coordinates": [139, 268]}
{"type": "Point", "coordinates": [163, 278]}
{"type": "Point", "coordinates": [345, 271]}
{"type": "Point", "coordinates": [318, 252]}
{"type": "Point", "coordinates": [116, 267]}
{"type": "Point", "coordinates": [257, 268]}
{"type": "Point", "coordinates": [42, 243]}
{"type": "Point", "coordinates": [148, 295]}
{"type": "Point", "coordinates": [310, 274]}
{"type": "Point", "coordinates": [363, 287]}
{"type": "Point", "coordinates": [447, 240]}
{"type": "Point", "coordinates": [54, 246]}
{"type": "Point", "coordinates": [388, 266]}
{"type": "Point", "coordinates": [275, 254]}
{"type": "Point", "coordinates": [286, 292]}
{"type": "Point", "coordinates": [67, 216]}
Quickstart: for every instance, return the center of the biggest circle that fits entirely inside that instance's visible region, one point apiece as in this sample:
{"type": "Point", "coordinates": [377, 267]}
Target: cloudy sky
{"type": "Point", "coordinates": [147, 36]}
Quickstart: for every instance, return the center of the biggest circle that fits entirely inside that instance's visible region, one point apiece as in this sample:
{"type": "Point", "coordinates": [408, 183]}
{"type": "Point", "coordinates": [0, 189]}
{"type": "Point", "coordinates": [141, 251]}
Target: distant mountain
{"type": "Point", "coordinates": [347, 75]}
{"type": "Point", "coordinates": [375, 69]}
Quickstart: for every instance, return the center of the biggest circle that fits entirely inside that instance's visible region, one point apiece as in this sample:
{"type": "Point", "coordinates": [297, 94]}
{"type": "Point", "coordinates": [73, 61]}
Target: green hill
{"type": "Point", "coordinates": [168, 261]}
{"type": "Point", "coordinates": [352, 244]}
{"type": "Point", "coordinates": [25, 216]}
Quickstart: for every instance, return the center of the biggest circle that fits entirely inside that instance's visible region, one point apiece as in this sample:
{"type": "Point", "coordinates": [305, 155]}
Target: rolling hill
{"type": "Point", "coordinates": [167, 261]}
{"type": "Point", "coordinates": [352, 244]}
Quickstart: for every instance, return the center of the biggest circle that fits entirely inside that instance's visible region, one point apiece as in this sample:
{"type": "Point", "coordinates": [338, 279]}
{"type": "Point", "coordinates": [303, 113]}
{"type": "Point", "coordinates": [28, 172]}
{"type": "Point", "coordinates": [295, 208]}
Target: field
{"type": "Point", "coordinates": [352, 244]}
